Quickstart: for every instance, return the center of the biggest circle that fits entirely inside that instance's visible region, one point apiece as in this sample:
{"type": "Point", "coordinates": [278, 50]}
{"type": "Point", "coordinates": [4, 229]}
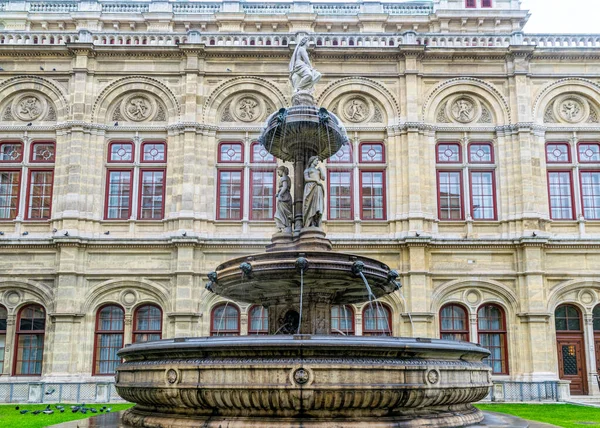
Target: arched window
{"type": "Point", "coordinates": [3, 317]}
{"type": "Point", "coordinates": [258, 320]}
{"type": "Point", "coordinates": [491, 325]}
{"type": "Point", "coordinates": [454, 324]}
{"type": "Point", "coordinates": [377, 320]}
{"type": "Point", "coordinates": [110, 321]}
{"type": "Point", "coordinates": [31, 328]}
{"type": "Point", "coordinates": [566, 318]}
{"type": "Point", "coordinates": [147, 325]}
{"type": "Point", "coordinates": [225, 320]}
{"type": "Point", "coordinates": [342, 320]}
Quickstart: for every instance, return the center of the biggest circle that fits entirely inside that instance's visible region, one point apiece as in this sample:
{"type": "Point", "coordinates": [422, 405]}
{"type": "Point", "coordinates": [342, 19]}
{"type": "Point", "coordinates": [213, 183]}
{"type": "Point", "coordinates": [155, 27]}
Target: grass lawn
{"type": "Point", "coordinates": [562, 415]}
{"type": "Point", "coordinates": [9, 417]}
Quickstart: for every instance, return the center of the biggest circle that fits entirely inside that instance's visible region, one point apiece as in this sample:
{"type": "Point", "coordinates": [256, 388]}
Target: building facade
{"type": "Point", "coordinates": [129, 169]}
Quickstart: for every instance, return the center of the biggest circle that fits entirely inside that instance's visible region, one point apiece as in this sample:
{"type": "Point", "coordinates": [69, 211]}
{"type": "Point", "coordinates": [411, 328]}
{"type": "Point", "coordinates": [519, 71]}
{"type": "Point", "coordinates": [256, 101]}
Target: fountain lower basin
{"type": "Point", "coordinates": [303, 380]}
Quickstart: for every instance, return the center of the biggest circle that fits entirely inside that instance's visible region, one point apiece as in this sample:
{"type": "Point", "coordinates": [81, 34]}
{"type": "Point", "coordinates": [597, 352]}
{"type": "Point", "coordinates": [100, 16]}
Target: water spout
{"type": "Point", "coordinates": [301, 265]}
{"type": "Point", "coordinates": [246, 269]}
{"type": "Point", "coordinates": [357, 269]}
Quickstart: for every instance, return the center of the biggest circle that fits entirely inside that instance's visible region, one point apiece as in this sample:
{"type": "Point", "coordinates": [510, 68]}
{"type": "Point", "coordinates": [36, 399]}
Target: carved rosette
{"type": "Point", "coordinates": [28, 107]}
{"type": "Point", "coordinates": [571, 109]}
{"type": "Point", "coordinates": [138, 107]}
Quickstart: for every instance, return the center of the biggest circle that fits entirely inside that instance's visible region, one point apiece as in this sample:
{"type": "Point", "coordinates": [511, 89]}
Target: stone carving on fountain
{"type": "Point", "coordinates": [300, 375]}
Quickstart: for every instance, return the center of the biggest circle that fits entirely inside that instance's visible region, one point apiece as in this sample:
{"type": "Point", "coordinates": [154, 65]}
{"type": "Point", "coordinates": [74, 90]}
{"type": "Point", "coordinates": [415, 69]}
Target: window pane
{"type": "Point", "coordinates": [153, 152]}
{"type": "Point", "coordinates": [30, 350]}
{"type": "Point", "coordinates": [40, 194]}
{"type": "Point", "coordinates": [9, 194]}
{"type": "Point", "coordinates": [263, 194]}
{"type": "Point", "coordinates": [559, 187]}
{"type": "Point", "coordinates": [230, 152]}
{"type": "Point", "coordinates": [151, 195]}
{"type": "Point", "coordinates": [376, 320]}
{"type": "Point", "coordinates": [260, 154]}
{"type": "Point", "coordinates": [118, 195]}
{"type": "Point", "coordinates": [342, 320]}
{"type": "Point", "coordinates": [566, 318]}
{"type": "Point", "coordinates": [589, 152]}
{"type": "Point", "coordinates": [225, 321]}
{"type": "Point", "coordinates": [450, 195]}
{"type": "Point", "coordinates": [373, 194]}
{"type": "Point", "coordinates": [340, 195]}
{"type": "Point", "coordinates": [259, 320]}
{"type": "Point", "coordinates": [107, 346]}
{"type": "Point", "coordinates": [482, 196]}
{"type": "Point", "coordinates": [590, 195]}
{"type": "Point", "coordinates": [371, 153]}
{"type": "Point", "coordinates": [480, 153]}
{"type": "Point", "coordinates": [121, 152]}
{"type": "Point", "coordinates": [230, 195]}
{"type": "Point", "coordinates": [557, 153]}
{"type": "Point", "coordinates": [147, 319]}
{"type": "Point", "coordinates": [454, 324]}
{"type": "Point", "coordinates": [448, 153]}
{"type": "Point", "coordinates": [343, 155]}
{"type": "Point", "coordinates": [43, 152]}
{"type": "Point", "coordinates": [11, 152]}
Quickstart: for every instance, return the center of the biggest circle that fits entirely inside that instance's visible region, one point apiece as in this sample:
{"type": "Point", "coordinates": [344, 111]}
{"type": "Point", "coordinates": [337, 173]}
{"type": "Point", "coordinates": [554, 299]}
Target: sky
{"type": "Point", "coordinates": [562, 16]}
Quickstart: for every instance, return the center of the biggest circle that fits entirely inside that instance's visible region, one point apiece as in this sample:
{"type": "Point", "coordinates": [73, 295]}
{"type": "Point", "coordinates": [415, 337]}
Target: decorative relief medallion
{"type": "Point", "coordinates": [571, 108]}
{"type": "Point", "coordinates": [473, 297]}
{"type": "Point", "coordinates": [138, 107]}
{"type": "Point", "coordinates": [12, 298]}
{"type": "Point", "coordinates": [587, 297]}
{"type": "Point", "coordinates": [301, 376]}
{"type": "Point", "coordinates": [247, 109]}
{"type": "Point", "coordinates": [433, 377]}
{"type": "Point", "coordinates": [356, 108]}
{"type": "Point", "coordinates": [172, 376]}
{"type": "Point", "coordinates": [28, 107]}
{"type": "Point", "coordinates": [463, 110]}
{"type": "Point", "coordinates": [129, 297]}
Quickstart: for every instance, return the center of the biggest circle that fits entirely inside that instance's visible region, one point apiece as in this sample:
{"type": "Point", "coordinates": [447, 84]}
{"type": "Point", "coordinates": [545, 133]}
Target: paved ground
{"type": "Point", "coordinates": [492, 420]}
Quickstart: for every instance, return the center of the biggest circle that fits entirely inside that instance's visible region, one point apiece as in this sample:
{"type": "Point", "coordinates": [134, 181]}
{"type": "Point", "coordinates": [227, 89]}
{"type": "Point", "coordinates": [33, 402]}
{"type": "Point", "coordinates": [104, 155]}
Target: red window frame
{"type": "Point", "coordinates": [37, 143]}
{"type": "Point", "coordinates": [558, 143]}
{"type": "Point", "coordinates": [594, 196]}
{"type": "Point", "coordinates": [18, 196]}
{"type": "Point", "coordinates": [347, 150]}
{"type": "Point", "coordinates": [241, 209]}
{"type": "Point", "coordinates": [383, 193]}
{"type": "Point", "coordinates": [141, 194]}
{"type": "Point", "coordinates": [214, 331]}
{"type": "Point", "coordinates": [136, 324]}
{"type": "Point", "coordinates": [470, 4]}
{"type": "Point", "coordinates": [220, 157]}
{"type": "Point", "coordinates": [330, 198]}
{"type": "Point", "coordinates": [107, 194]}
{"type": "Point", "coordinates": [376, 308]}
{"type": "Point", "coordinates": [252, 154]}
{"type": "Point", "coordinates": [151, 142]}
{"type": "Point", "coordinates": [252, 195]}
{"type": "Point", "coordinates": [587, 143]}
{"type": "Point", "coordinates": [21, 333]}
{"type": "Point", "coordinates": [10, 142]}
{"type": "Point", "coordinates": [3, 323]}
{"type": "Point", "coordinates": [339, 318]}
{"type": "Point", "coordinates": [501, 332]}
{"type": "Point", "coordinates": [371, 143]}
{"type": "Point", "coordinates": [460, 196]}
{"type": "Point", "coordinates": [263, 317]}
{"type": "Point", "coordinates": [486, 3]}
{"type": "Point", "coordinates": [464, 333]}
{"type": "Point", "coordinates": [472, 208]}
{"type": "Point", "coordinates": [572, 196]}
{"type": "Point", "coordinates": [31, 188]}
{"type": "Point", "coordinates": [98, 335]}
{"type": "Point", "coordinates": [476, 143]}
{"type": "Point", "coordinates": [109, 155]}
{"type": "Point", "coordinates": [447, 143]}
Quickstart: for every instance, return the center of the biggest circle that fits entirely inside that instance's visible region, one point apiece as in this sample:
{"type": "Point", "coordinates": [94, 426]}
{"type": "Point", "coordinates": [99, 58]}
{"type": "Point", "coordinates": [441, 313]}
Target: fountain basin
{"type": "Point", "coordinates": [299, 130]}
{"type": "Point", "coordinates": [275, 277]}
{"type": "Point", "coordinates": [304, 380]}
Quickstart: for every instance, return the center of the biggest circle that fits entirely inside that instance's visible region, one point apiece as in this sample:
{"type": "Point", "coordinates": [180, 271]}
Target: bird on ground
{"type": "Point", "coordinates": [116, 123]}
{"type": "Point", "coordinates": [59, 407]}
{"type": "Point", "coordinates": [108, 410]}
{"type": "Point", "coordinates": [75, 409]}
{"type": "Point", "coordinates": [29, 124]}
{"type": "Point", "coordinates": [36, 412]}
{"type": "Point", "coordinates": [24, 411]}
{"type": "Point", "coordinates": [93, 410]}
{"type": "Point", "coordinates": [48, 412]}
{"type": "Point", "coordinates": [17, 408]}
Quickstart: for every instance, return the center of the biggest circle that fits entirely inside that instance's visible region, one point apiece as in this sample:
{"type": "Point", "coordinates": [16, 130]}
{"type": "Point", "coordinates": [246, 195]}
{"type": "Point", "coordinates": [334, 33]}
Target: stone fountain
{"type": "Point", "coordinates": [300, 375]}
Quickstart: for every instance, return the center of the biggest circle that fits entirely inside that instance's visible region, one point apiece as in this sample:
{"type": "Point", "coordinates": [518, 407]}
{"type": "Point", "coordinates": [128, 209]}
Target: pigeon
{"type": "Point", "coordinates": [23, 412]}
{"type": "Point", "coordinates": [108, 410]}
{"type": "Point", "coordinates": [59, 407]}
{"type": "Point", "coordinates": [48, 412]}
{"type": "Point", "coordinates": [36, 412]}
{"type": "Point", "coordinates": [75, 409]}
{"type": "Point", "coordinates": [107, 232]}
{"type": "Point", "coordinates": [17, 408]}
{"type": "Point", "coordinates": [50, 391]}
{"type": "Point", "coordinates": [116, 123]}
{"type": "Point", "coordinates": [29, 124]}
{"type": "Point", "coordinates": [62, 410]}
{"type": "Point", "coordinates": [41, 68]}
{"type": "Point", "coordinates": [93, 410]}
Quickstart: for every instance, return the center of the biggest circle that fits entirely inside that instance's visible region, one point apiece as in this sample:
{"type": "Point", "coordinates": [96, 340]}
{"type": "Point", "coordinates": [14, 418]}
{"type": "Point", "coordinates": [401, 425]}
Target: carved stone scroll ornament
{"type": "Point", "coordinates": [28, 107]}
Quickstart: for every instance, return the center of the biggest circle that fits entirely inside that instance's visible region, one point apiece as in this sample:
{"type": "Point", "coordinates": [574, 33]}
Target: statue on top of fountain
{"type": "Point", "coordinates": [313, 201]}
{"type": "Point", "coordinates": [302, 75]}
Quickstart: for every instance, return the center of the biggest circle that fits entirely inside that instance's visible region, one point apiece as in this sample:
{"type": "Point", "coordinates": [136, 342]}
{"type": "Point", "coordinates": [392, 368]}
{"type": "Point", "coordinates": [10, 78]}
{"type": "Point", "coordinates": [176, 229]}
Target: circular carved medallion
{"type": "Point", "coordinates": [463, 110]}
{"type": "Point", "coordinates": [301, 376]}
{"type": "Point", "coordinates": [248, 108]}
{"type": "Point", "coordinates": [433, 377]}
{"type": "Point", "coordinates": [128, 297]}
{"type": "Point", "coordinates": [138, 107]}
{"type": "Point", "coordinates": [29, 107]}
{"type": "Point", "coordinates": [473, 297]}
{"type": "Point", "coordinates": [587, 297]}
{"type": "Point", "coordinates": [355, 108]}
{"type": "Point", "coordinates": [571, 108]}
{"type": "Point", "coordinates": [12, 298]}
{"type": "Point", "coordinates": [172, 376]}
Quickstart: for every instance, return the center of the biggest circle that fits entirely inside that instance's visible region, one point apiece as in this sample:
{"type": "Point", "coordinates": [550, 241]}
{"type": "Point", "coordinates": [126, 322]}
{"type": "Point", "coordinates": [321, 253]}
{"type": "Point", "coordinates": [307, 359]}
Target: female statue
{"type": "Point", "coordinates": [314, 194]}
{"type": "Point", "coordinates": [283, 211]}
{"type": "Point", "coordinates": [302, 75]}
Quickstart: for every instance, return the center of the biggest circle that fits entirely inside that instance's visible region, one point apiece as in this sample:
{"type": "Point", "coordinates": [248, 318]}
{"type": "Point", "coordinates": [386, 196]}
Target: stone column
{"type": "Point", "coordinates": [590, 347]}
{"type": "Point", "coordinates": [184, 298]}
